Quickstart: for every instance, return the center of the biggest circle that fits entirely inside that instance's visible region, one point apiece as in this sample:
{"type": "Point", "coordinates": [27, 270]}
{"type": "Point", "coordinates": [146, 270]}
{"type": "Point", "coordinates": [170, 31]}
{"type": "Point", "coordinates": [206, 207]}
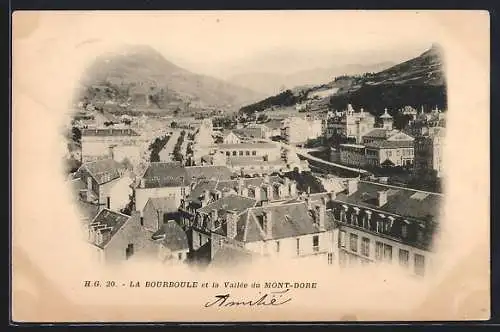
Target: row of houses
{"type": "Point", "coordinates": [203, 213]}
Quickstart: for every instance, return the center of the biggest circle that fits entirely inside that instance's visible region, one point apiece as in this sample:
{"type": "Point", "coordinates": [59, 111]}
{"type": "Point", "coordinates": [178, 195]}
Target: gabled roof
{"type": "Point", "coordinates": [172, 236]}
{"type": "Point", "coordinates": [160, 174]}
{"type": "Point", "coordinates": [287, 220]}
{"type": "Point", "coordinates": [232, 202]}
{"type": "Point", "coordinates": [377, 133]}
{"type": "Point", "coordinates": [104, 170]}
{"type": "Point", "coordinates": [209, 172]}
{"type": "Point", "coordinates": [253, 145]}
{"type": "Point", "coordinates": [112, 220]}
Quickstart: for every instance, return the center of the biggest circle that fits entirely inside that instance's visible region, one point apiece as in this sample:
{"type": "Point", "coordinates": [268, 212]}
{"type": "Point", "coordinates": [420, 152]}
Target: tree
{"type": "Point", "coordinates": [76, 134]}
{"type": "Point", "coordinates": [173, 124]}
{"type": "Point", "coordinates": [176, 111]}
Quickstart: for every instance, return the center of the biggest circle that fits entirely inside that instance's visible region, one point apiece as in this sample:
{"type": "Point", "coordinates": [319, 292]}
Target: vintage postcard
{"type": "Point", "coordinates": [224, 166]}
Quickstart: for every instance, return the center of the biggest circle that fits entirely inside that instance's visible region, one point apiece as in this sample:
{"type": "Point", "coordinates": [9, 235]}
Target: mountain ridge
{"type": "Point", "coordinates": [143, 71]}
{"type": "Point", "coordinates": [417, 82]}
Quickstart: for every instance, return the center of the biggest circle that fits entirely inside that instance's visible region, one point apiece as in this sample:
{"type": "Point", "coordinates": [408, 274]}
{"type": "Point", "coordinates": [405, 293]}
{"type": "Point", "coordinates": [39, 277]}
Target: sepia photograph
{"type": "Point", "coordinates": [251, 165]}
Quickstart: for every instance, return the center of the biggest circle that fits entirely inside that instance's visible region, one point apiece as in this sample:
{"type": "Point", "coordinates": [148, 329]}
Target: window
{"type": "Point", "coordinates": [419, 264]}
{"type": "Point", "coordinates": [228, 153]}
{"type": "Point", "coordinates": [277, 246]}
{"type": "Point", "coordinates": [241, 153]}
{"type": "Point", "coordinates": [389, 153]}
{"type": "Point", "coordinates": [179, 255]}
{"type": "Point", "coordinates": [379, 250]}
{"type": "Point", "coordinates": [298, 247]}
{"type": "Point", "coordinates": [404, 231]}
{"type": "Point", "coordinates": [403, 257]}
{"type": "Point", "coordinates": [342, 239]}
{"type": "Point", "coordinates": [330, 258]}
{"type": "Point", "coordinates": [142, 221]}
{"type": "Point", "coordinates": [387, 253]}
{"type": "Point", "coordinates": [316, 243]}
{"type": "Point", "coordinates": [247, 153]}
{"type": "Point", "coordinates": [254, 153]}
{"type": "Point", "coordinates": [129, 251]}
{"type": "Point", "coordinates": [200, 240]}
{"type": "Point", "coordinates": [353, 239]}
{"type": "Point", "coordinates": [365, 246]}
{"type": "Point", "coordinates": [234, 153]}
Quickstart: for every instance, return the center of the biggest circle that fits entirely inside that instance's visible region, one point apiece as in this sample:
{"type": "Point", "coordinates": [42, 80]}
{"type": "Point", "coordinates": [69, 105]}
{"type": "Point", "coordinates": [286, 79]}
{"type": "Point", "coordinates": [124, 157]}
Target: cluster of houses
{"type": "Point", "coordinates": [419, 146]}
{"type": "Point", "coordinates": [206, 215]}
{"type": "Point", "coordinates": [236, 202]}
{"type": "Point", "coordinates": [245, 151]}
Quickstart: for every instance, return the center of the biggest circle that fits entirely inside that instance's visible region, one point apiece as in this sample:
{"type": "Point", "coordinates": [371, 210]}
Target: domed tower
{"type": "Point", "coordinates": [387, 120]}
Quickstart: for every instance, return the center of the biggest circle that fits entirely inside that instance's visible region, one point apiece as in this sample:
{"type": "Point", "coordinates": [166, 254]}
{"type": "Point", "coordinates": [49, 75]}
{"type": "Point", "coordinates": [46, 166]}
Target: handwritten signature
{"type": "Point", "coordinates": [268, 299]}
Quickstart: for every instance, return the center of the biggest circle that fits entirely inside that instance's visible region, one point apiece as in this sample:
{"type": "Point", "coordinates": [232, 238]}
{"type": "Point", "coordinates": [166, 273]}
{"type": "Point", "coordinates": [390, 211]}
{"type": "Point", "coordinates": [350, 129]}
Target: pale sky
{"type": "Point", "coordinates": [222, 43]}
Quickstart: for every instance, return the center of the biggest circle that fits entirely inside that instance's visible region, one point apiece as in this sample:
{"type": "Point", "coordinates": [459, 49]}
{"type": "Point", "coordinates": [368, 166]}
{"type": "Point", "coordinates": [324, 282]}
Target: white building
{"type": "Point", "coordinates": [114, 143]}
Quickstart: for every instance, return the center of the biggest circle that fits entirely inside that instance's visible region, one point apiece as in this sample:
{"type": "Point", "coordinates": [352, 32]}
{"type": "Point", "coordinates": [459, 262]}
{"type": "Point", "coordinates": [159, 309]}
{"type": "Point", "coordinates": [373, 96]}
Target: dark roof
{"type": "Point", "coordinates": [104, 170]}
{"type": "Point", "coordinates": [160, 174]}
{"type": "Point", "coordinates": [109, 132]}
{"type": "Point", "coordinates": [385, 144]}
{"type": "Point", "coordinates": [377, 133]}
{"type": "Point", "coordinates": [172, 236]}
{"type": "Point", "coordinates": [229, 256]}
{"type": "Point", "coordinates": [404, 202]}
{"type": "Point", "coordinates": [232, 202]}
{"type": "Point", "coordinates": [287, 220]}
{"type": "Point", "coordinates": [165, 204]}
{"type": "Point", "coordinates": [209, 172]}
{"type": "Point", "coordinates": [113, 221]}
{"type": "Point", "coordinates": [227, 185]}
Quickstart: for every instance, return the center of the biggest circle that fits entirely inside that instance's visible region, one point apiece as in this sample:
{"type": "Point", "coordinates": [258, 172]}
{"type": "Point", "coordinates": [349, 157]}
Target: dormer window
{"type": "Point", "coordinates": [404, 231]}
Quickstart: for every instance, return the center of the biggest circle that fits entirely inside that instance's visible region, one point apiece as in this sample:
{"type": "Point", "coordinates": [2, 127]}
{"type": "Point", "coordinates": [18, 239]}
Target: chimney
{"type": "Point", "coordinates": [267, 179]}
{"type": "Point", "coordinates": [143, 183]}
{"type": "Point", "coordinates": [332, 195]}
{"type": "Point", "coordinates": [308, 203]}
{"type": "Point", "coordinates": [269, 190]}
{"type": "Point", "coordinates": [206, 197]}
{"type": "Point", "coordinates": [160, 219]}
{"type": "Point", "coordinates": [321, 215]}
{"type": "Point", "coordinates": [293, 188]}
{"type": "Point", "coordinates": [352, 186]}
{"type": "Point", "coordinates": [89, 188]}
{"type": "Point", "coordinates": [215, 214]}
{"type": "Point", "coordinates": [258, 194]}
{"type": "Point", "coordinates": [381, 198]}
{"type": "Point", "coordinates": [267, 224]}
{"type": "Point", "coordinates": [231, 221]}
{"type": "Point", "coordinates": [241, 186]}
{"type": "Point", "coordinates": [244, 192]}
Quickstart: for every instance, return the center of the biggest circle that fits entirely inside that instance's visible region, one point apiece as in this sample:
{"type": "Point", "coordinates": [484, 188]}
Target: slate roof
{"type": "Point", "coordinates": [287, 220]}
{"type": "Point", "coordinates": [377, 133]}
{"type": "Point", "coordinates": [209, 172]}
{"type": "Point", "coordinates": [385, 144]}
{"type": "Point", "coordinates": [172, 236]}
{"type": "Point", "coordinates": [160, 174]}
{"type": "Point", "coordinates": [109, 132]}
{"type": "Point", "coordinates": [404, 202]}
{"type": "Point", "coordinates": [113, 221]}
{"type": "Point", "coordinates": [232, 202]}
{"type": "Point", "coordinates": [104, 170]}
